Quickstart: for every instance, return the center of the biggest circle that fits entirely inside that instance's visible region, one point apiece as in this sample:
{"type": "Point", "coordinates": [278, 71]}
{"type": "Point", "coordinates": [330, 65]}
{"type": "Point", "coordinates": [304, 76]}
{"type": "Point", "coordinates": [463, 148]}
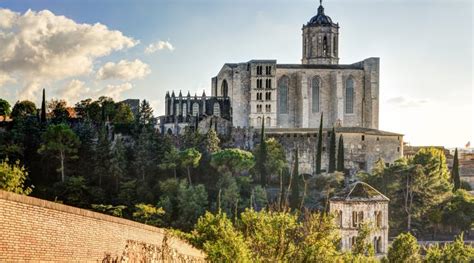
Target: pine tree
{"type": "Point", "coordinates": [295, 184]}
{"type": "Point", "coordinates": [43, 108]}
{"type": "Point", "coordinates": [262, 157]}
{"type": "Point", "coordinates": [319, 146]}
{"type": "Point", "coordinates": [340, 155]}
{"type": "Point", "coordinates": [455, 171]}
{"type": "Point", "coordinates": [332, 152]}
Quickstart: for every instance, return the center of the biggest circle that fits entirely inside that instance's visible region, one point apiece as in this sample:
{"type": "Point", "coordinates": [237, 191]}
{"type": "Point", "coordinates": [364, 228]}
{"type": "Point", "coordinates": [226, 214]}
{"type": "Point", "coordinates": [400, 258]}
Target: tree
{"type": "Point", "coordinates": [211, 142]}
{"type": "Point", "coordinates": [455, 171]}
{"type": "Point", "coordinates": [13, 177]}
{"type": "Point", "coordinates": [319, 147]}
{"type": "Point", "coordinates": [191, 204]}
{"type": "Point", "coordinates": [332, 152]}
{"type": "Point", "coordinates": [190, 159]}
{"type": "Point", "coordinates": [59, 110]}
{"type": "Point", "coordinates": [261, 157]}
{"type": "Point", "coordinates": [456, 251]}
{"type": "Point", "coordinates": [123, 114]}
{"type": "Point", "coordinates": [148, 214]}
{"type": "Point", "coordinates": [363, 245]}
{"type": "Point", "coordinates": [118, 163]}
{"type": "Point", "coordinates": [458, 211]}
{"type": "Point", "coordinates": [4, 108]}
{"type": "Point", "coordinates": [109, 209]}
{"type": "Point", "coordinates": [340, 155]}
{"type": "Point", "coordinates": [404, 248]}
{"type": "Point", "coordinates": [171, 161]}
{"type": "Point", "coordinates": [43, 108]}
{"type": "Point", "coordinates": [103, 155]}
{"type": "Point", "coordinates": [145, 114]}
{"type": "Point", "coordinates": [295, 183]}
{"type": "Point", "coordinates": [270, 235]}
{"type": "Point", "coordinates": [23, 109]}
{"type": "Point", "coordinates": [62, 142]}
{"type": "Point", "coordinates": [232, 161]}
{"type": "Point", "coordinates": [216, 235]}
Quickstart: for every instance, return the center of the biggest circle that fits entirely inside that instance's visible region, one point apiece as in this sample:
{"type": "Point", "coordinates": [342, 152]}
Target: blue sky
{"type": "Point", "coordinates": [425, 49]}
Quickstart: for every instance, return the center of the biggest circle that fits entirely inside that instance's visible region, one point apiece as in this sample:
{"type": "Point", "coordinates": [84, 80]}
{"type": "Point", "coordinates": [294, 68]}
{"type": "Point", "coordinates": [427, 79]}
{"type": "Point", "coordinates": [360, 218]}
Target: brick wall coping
{"type": "Point", "coordinates": [9, 196]}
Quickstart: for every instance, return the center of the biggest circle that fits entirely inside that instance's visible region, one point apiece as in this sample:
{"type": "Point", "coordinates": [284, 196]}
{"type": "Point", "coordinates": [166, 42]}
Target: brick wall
{"type": "Point", "coordinates": [35, 230]}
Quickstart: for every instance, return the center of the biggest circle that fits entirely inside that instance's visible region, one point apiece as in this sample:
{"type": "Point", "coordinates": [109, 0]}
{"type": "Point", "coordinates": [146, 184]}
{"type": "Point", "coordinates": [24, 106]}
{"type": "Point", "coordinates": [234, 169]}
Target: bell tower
{"type": "Point", "coordinates": [320, 40]}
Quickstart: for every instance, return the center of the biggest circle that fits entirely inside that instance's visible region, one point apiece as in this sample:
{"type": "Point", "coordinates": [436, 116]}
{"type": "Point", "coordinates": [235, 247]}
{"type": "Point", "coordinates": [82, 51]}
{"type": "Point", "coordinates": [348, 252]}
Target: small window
{"type": "Point", "coordinates": [259, 121]}
{"type": "Point", "coordinates": [355, 221]}
{"type": "Point", "coordinates": [363, 138]}
{"type": "Point", "coordinates": [268, 70]}
{"type": "Point", "coordinates": [217, 109]}
{"type": "Point", "coordinates": [268, 83]}
{"type": "Point", "coordinates": [268, 108]}
{"type": "Point", "coordinates": [324, 149]}
{"type": "Point", "coordinates": [259, 83]}
{"type": "Point", "coordinates": [378, 139]}
{"type": "Point", "coordinates": [259, 70]}
{"type": "Point", "coordinates": [398, 149]}
{"type": "Point", "coordinates": [349, 105]}
{"type": "Point", "coordinates": [268, 121]}
{"type": "Point", "coordinates": [259, 108]}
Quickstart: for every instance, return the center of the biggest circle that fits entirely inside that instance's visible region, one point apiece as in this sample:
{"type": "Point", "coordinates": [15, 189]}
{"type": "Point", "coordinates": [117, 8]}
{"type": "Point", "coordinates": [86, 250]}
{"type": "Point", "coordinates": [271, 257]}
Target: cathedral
{"type": "Point", "coordinates": [289, 99]}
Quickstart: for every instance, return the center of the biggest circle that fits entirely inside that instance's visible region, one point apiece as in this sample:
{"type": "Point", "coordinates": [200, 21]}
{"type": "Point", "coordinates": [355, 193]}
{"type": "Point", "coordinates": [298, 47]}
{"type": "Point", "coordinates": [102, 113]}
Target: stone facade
{"type": "Point", "coordinates": [361, 203]}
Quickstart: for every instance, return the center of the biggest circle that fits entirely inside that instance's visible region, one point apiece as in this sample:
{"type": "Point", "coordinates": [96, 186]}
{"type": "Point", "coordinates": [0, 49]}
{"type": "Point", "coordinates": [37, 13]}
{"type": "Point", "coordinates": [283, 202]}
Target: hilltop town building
{"type": "Point", "coordinates": [291, 98]}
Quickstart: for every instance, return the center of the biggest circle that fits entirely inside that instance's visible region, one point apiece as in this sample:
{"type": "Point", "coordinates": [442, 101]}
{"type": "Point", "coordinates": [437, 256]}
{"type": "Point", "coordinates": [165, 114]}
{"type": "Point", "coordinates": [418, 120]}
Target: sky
{"type": "Point", "coordinates": [77, 49]}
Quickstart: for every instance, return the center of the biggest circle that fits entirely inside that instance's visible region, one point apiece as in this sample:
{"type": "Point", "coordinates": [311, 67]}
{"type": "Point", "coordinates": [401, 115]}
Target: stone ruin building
{"type": "Point", "coordinates": [361, 203]}
{"type": "Point", "coordinates": [290, 99]}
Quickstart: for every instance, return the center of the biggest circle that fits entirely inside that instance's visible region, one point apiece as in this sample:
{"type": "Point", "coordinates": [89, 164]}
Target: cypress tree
{"type": "Point", "coordinates": [332, 152]}
{"type": "Point", "coordinates": [262, 157]}
{"type": "Point", "coordinates": [295, 184]}
{"type": "Point", "coordinates": [43, 108]}
{"type": "Point", "coordinates": [455, 171]}
{"type": "Point", "coordinates": [319, 147]}
{"type": "Point", "coordinates": [340, 155]}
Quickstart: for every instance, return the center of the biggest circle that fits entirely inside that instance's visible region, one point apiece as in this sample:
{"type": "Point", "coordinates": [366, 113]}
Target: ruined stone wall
{"type": "Point", "coordinates": [368, 208]}
{"type": "Point", "coordinates": [36, 230]}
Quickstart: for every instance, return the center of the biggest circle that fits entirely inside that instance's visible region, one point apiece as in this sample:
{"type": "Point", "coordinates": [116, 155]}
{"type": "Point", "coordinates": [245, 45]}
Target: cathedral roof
{"type": "Point", "coordinates": [321, 19]}
{"type": "Point", "coordinates": [360, 191]}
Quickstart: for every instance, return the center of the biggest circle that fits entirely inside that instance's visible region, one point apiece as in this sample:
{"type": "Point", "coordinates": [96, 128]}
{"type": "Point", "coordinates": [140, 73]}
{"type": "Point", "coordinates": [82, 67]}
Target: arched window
{"type": "Point", "coordinates": [224, 88]}
{"type": "Point", "coordinates": [349, 95]}
{"type": "Point", "coordinates": [185, 109]}
{"type": "Point", "coordinates": [334, 46]}
{"type": "Point", "coordinates": [339, 218]}
{"type": "Point", "coordinates": [176, 109]}
{"type": "Point", "coordinates": [325, 46]}
{"type": "Point", "coordinates": [315, 88]}
{"type": "Point", "coordinates": [217, 109]}
{"type": "Point", "coordinates": [268, 122]}
{"type": "Point", "coordinates": [259, 121]}
{"type": "Point", "coordinates": [195, 109]}
{"type": "Point", "coordinates": [283, 84]}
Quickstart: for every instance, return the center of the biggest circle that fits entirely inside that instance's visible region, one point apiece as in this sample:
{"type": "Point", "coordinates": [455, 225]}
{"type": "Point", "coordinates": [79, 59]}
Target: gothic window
{"type": "Point", "coordinates": [316, 84]}
{"type": "Point", "coordinates": [259, 83]}
{"type": "Point", "coordinates": [176, 109]}
{"type": "Point", "coordinates": [259, 70]}
{"type": "Point", "coordinates": [259, 108]}
{"type": "Point", "coordinates": [325, 46]}
{"type": "Point", "coordinates": [224, 88]}
{"type": "Point", "coordinates": [268, 121]}
{"type": "Point", "coordinates": [259, 121]}
{"type": "Point", "coordinates": [268, 108]}
{"type": "Point", "coordinates": [349, 96]}
{"type": "Point", "coordinates": [268, 70]}
{"type": "Point", "coordinates": [334, 46]}
{"type": "Point", "coordinates": [185, 109]}
{"type": "Point", "coordinates": [268, 96]}
{"type": "Point", "coordinates": [378, 218]}
{"type": "Point", "coordinates": [195, 109]}
{"type": "Point", "coordinates": [283, 84]}
{"type": "Point", "coordinates": [217, 109]}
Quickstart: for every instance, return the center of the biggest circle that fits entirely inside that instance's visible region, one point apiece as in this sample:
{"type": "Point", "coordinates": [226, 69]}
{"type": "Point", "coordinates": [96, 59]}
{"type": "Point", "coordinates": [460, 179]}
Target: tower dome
{"type": "Point", "coordinates": [320, 39]}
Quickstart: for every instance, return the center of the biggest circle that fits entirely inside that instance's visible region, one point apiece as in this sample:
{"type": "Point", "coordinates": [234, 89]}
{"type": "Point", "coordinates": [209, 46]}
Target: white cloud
{"type": "Point", "coordinates": [114, 91]}
{"type": "Point", "coordinates": [124, 70]}
{"type": "Point", "coordinates": [407, 102]}
{"type": "Point", "coordinates": [41, 47]}
{"type": "Point", "coordinates": [73, 91]}
{"type": "Point", "coordinates": [5, 78]}
{"type": "Point", "coordinates": [160, 45]}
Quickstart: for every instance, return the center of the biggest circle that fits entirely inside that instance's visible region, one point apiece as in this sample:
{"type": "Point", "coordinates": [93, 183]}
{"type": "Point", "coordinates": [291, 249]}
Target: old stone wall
{"type": "Point", "coordinates": [36, 230]}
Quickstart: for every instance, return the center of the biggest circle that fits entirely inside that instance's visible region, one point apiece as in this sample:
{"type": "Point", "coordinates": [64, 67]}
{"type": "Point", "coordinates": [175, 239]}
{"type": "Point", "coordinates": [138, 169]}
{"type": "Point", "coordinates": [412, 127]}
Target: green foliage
{"type": "Point", "coordinates": [60, 141]}
{"type": "Point", "coordinates": [109, 209]}
{"type": "Point", "coordinates": [5, 108]}
{"type": "Point", "coordinates": [23, 109]}
{"type": "Point", "coordinates": [192, 203]}
{"type": "Point", "coordinates": [456, 179]}
{"type": "Point", "coordinates": [145, 115]}
{"type": "Point", "coordinates": [171, 160]}
{"type": "Point", "coordinates": [295, 183]}
{"type": "Point", "coordinates": [13, 177]}
{"type": "Point", "coordinates": [363, 245]}
{"type": "Point", "coordinates": [332, 152]}
{"type": "Point", "coordinates": [404, 248]}
{"type": "Point", "coordinates": [319, 147]}
{"type": "Point", "coordinates": [456, 251]}
{"type": "Point", "coordinates": [190, 158]}
{"type": "Point", "coordinates": [275, 158]}
{"type": "Point", "coordinates": [148, 214]}
{"type": "Point", "coordinates": [211, 142]}
{"type": "Point", "coordinates": [340, 155]}
{"type": "Point", "coordinates": [233, 161]}
{"type": "Point", "coordinates": [261, 158]}
{"type": "Point", "coordinates": [73, 191]}
{"type": "Point", "coordinates": [123, 114]}
{"type": "Point", "coordinates": [216, 235]}
{"type": "Point", "coordinates": [458, 212]}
